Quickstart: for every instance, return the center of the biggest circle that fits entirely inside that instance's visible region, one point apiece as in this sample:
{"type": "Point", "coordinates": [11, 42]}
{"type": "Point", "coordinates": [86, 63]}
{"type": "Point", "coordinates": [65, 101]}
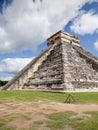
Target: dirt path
{"type": "Point", "coordinates": [78, 108]}
{"type": "Point", "coordinates": [35, 111]}
{"type": "Point", "coordinates": [40, 107]}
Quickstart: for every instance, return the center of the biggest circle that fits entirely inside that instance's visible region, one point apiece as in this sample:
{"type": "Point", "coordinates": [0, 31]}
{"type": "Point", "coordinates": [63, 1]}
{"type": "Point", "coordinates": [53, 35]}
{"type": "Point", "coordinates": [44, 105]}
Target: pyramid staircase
{"type": "Point", "coordinates": [62, 66]}
{"type": "Point", "coordinates": [23, 76]}
{"type": "Point", "coordinates": [50, 73]}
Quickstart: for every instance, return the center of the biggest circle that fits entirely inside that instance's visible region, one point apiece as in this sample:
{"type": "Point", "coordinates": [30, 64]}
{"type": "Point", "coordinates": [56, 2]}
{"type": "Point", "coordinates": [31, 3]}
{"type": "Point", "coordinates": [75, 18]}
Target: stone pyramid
{"type": "Point", "coordinates": [62, 66]}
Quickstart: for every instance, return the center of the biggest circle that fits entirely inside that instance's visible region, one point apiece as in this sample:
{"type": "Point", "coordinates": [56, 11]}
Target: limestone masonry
{"type": "Point", "coordinates": [62, 66]}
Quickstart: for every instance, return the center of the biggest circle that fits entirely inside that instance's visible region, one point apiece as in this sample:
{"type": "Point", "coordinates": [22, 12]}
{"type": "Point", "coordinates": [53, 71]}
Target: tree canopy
{"type": "Point", "coordinates": [2, 83]}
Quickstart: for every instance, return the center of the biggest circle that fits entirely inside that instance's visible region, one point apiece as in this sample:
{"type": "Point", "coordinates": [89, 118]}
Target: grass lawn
{"type": "Point", "coordinates": [70, 121]}
{"type": "Point", "coordinates": [13, 116]}
{"type": "Point", "coordinates": [18, 95]}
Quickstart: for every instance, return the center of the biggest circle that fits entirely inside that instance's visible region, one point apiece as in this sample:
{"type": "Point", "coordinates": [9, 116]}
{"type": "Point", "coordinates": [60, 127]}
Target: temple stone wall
{"type": "Point", "coordinates": [62, 66]}
{"type": "Point", "coordinates": [81, 71]}
{"type": "Point", "coordinates": [50, 73]}
{"type": "Point", "coordinates": [23, 76]}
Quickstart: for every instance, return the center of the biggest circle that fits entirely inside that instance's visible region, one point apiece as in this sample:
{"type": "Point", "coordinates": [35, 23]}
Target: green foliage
{"type": "Point", "coordinates": [2, 83]}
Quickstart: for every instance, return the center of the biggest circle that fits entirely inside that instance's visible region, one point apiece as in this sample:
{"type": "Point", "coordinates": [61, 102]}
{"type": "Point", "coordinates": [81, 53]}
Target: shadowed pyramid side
{"type": "Point", "coordinates": [80, 69]}
{"type": "Point", "coordinates": [62, 66]}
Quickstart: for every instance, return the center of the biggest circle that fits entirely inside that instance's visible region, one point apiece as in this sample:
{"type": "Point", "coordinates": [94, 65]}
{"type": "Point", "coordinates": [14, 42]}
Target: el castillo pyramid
{"type": "Point", "coordinates": [62, 66]}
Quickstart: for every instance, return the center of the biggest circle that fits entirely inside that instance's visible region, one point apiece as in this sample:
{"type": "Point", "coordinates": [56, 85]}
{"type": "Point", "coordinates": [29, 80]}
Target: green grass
{"type": "Point", "coordinates": [36, 125]}
{"type": "Point", "coordinates": [59, 121]}
{"type": "Point", "coordinates": [79, 98]}
{"type": "Point", "coordinates": [86, 98]}
{"type": "Point", "coordinates": [30, 96]}
{"type": "Point", "coordinates": [4, 123]}
{"type": "Point", "coordinates": [5, 120]}
{"type": "Point", "coordinates": [64, 120]}
{"type": "Point", "coordinates": [55, 121]}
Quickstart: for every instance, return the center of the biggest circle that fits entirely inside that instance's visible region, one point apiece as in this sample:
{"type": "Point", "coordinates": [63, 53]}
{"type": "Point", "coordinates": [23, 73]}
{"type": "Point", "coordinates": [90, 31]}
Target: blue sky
{"type": "Point", "coordinates": [25, 25]}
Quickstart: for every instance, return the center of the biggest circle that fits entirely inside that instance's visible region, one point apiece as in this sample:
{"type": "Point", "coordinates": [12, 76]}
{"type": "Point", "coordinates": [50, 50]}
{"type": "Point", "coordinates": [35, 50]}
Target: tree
{"type": "Point", "coordinates": [2, 83]}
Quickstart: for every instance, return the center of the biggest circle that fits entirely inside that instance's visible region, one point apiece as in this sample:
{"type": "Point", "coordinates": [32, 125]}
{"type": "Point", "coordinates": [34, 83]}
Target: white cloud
{"type": "Point", "coordinates": [85, 23]}
{"type": "Point", "coordinates": [24, 24]}
{"type": "Point", "coordinates": [13, 65]}
{"type": "Point", "coordinates": [96, 45]}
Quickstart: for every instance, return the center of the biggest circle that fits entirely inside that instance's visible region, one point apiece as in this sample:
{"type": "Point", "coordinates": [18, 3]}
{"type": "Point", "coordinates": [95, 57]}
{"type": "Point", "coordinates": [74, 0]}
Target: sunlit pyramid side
{"type": "Point", "coordinates": [62, 66]}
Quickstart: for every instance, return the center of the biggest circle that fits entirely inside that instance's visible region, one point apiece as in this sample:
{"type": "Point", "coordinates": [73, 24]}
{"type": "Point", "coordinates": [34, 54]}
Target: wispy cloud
{"type": "Point", "coordinates": [13, 65]}
{"type": "Point", "coordinates": [85, 23]}
{"type": "Point", "coordinates": [25, 24]}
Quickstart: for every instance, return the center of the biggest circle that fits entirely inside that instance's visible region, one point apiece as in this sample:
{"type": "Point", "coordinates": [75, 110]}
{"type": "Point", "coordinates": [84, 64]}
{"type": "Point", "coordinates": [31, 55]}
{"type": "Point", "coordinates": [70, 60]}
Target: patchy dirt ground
{"type": "Point", "coordinates": [28, 112]}
{"type": "Point", "coordinates": [41, 107]}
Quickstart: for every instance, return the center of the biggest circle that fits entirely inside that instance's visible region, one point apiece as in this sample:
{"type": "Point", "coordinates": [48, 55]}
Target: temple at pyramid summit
{"type": "Point", "coordinates": [63, 66]}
